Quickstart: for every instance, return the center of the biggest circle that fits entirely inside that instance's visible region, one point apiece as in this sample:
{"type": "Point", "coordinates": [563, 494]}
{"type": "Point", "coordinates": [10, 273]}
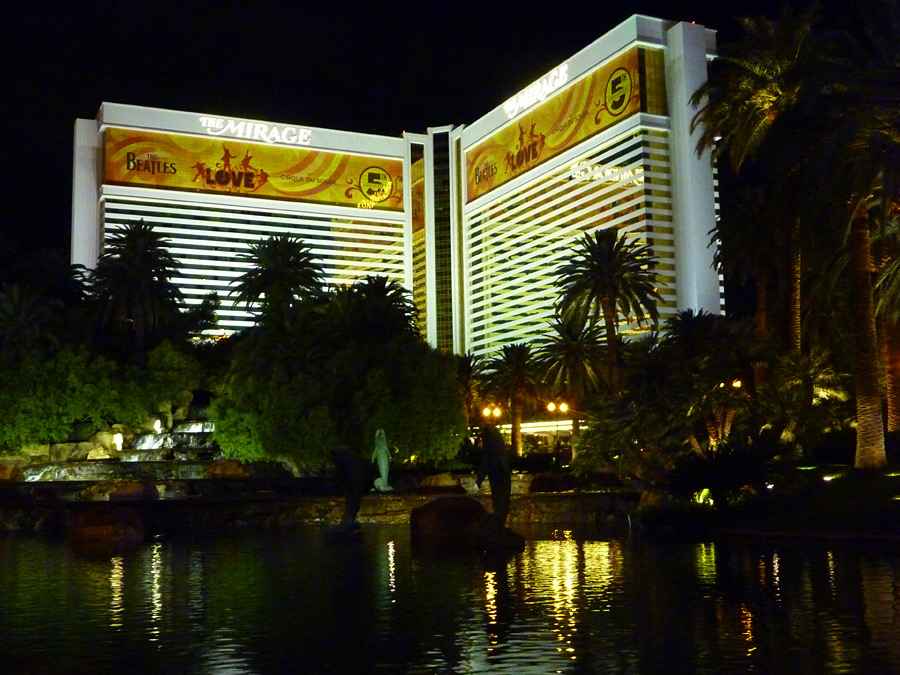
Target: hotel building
{"type": "Point", "coordinates": [472, 219]}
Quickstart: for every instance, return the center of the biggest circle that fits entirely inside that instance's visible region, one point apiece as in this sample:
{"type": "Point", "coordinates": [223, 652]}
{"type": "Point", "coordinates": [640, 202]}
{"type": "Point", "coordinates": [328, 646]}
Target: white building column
{"type": "Point", "coordinates": [85, 201]}
{"type": "Point", "coordinates": [693, 193]}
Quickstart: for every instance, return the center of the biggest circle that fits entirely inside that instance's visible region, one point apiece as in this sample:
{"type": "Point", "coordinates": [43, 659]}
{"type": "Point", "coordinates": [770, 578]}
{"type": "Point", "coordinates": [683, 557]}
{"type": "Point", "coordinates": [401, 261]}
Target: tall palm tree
{"type": "Point", "coordinates": [132, 286]}
{"type": "Point", "coordinates": [750, 86]}
{"type": "Point", "coordinates": [609, 275]}
{"type": "Point", "coordinates": [283, 273]}
{"type": "Point", "coordinates": [385, 308]}
{"type": "Point", "coordinates": [571, 358]}
{"type": "Point", "coordinates": [831, 127]}
{"type": "Point", "coordinates": [514, 376]}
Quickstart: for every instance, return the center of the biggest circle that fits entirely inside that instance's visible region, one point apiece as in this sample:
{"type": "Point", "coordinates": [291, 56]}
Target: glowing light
{"type": "Point", "coordinates": [392, 581]}
{"type": "Point", "coordinates": [118, 439]}
{"type": "Point", "coordinates": [157, 426]}
{"type": "Point", "coordinates": [490, 596]}
{"type": "Point", "coordinates": [116, 607]}
{"type": "Point", "coordinates": [155, 590]}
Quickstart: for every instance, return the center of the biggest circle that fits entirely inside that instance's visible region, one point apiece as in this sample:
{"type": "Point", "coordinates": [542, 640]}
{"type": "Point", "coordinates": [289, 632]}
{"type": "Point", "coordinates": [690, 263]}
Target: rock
{"type": "Point", "coordinates": [441, 483]}
{"type": "Point", "coordinates": [228, 468]}
{"type": "Point", "coordinates": [120, 490]}
{"type": "Point", "coordinates": [553, 482]}
{"type": "Point", "coordinates": [651, 498]}
{"type": "Point", "coordinates": [500, 542]}
{"type": "Point", "coordinates": [126, 433]}
{"type": "Point", "coordinates": [183, 406]}
{"type": "Point", "coordinates": [101, 453]}
{"type": "Point", "coordinates": [69, 452]}
{"type": "Point", "coordinates": [448, 524]}
{"type": "Point", "coordinates": [105, 439]}
{"type": "Point", "coordinates": [601, 479]}
{"type": "Point", "coordinates": [82, 449]}
{"type": "Point", "coordinates": [105, 529]}
{"type": "Point", "coordinates": [11, 469]}
{"type": "Point", "coordinates": [289, 464]}
{"type": "Point", "coordinates": [35, 450]}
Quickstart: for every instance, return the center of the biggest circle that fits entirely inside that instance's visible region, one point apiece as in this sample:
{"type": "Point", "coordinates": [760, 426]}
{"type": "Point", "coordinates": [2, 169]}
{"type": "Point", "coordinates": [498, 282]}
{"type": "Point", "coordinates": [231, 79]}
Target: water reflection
{"type": "Point", "coordinates": [116, 579]}
{"type": "Point", "coordinates": [289, 602]}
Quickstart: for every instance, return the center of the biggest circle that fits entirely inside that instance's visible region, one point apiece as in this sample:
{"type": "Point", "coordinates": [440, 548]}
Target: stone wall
{"type": "Point", "coordinates": [34, 511]}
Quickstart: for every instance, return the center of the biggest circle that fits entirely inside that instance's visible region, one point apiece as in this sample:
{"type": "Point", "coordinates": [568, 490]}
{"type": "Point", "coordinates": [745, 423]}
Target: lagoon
{"type": "Point", "coordinates": [577, 600]}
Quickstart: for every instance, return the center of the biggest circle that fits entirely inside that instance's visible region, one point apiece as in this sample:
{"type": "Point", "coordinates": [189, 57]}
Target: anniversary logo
{"type": "Point", "coordinates": [174, 162]}
{"type": "Point", "coordinates": [562, 119]}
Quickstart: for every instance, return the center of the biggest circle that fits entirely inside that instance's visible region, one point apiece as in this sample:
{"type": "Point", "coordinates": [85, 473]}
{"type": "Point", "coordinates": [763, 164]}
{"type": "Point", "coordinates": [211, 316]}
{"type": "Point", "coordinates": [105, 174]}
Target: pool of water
{"type": "Point", "coordinates": [574, 602]}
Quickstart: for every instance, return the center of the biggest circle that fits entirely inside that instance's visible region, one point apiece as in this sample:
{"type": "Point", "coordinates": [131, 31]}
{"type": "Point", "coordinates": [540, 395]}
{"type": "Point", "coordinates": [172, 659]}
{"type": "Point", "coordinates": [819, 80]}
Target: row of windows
{"type": "Point", "coordinates": [518, 241]}
{"type": "Point", "coordinates": [210, 242]}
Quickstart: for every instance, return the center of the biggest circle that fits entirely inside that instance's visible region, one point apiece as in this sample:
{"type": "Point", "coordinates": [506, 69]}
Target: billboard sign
{"type": "Point", "coordinates": [235, 167]}
{"type": "Point", "coordinates": [606, 96]}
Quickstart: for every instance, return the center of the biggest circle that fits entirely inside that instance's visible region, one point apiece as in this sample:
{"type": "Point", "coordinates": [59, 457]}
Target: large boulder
{"type": "Point", "coordinates": [553, 482]}
{"type": "Point", "coordinates": [105, 529]}
{"type": "Point", "coordinates": [441, 483]}
{"type": "Point", "coordinates": [36, 452]}
{"type": "Point", "coordinates": [228, 468]}
{"type": "Point", "coordinates": [120, 490]}
{"type": "Point", "coordinates": [11, 469]}
{"type": "Point", "coordinates": [448, 524]}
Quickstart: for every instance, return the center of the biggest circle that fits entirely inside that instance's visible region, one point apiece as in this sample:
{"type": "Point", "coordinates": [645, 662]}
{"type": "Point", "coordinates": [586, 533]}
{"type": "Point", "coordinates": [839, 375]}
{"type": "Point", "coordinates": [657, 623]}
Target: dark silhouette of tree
{"type": "Point", "coordinates": [514, 376]}
{"type": "Point", "coordinates": [27, 322]}
{"type": "Point", "coordinates": [283, 273]}
{"type": "Point", "coordinates": [572, 360]}
{"type": "Point", "coordinates": [609, 275]}
{"type": "Point", "coordinates": [821, 109]}
{"type": "Point", "coordinates": [135, 297]}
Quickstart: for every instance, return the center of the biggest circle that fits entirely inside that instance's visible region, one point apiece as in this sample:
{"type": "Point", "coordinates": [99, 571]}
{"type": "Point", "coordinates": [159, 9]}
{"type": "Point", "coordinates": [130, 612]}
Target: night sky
{"type": "Point", "coordinates": [370, 67]}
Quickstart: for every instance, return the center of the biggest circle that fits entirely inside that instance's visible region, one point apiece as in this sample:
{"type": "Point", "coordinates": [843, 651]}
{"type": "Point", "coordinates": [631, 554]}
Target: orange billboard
{"type": "Point", "coordinates": [234, 167]}
{"type": "Point", "coordinates": [609, 94]}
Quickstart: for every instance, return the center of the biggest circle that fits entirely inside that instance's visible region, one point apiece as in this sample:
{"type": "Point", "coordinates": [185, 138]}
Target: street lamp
{"type": "Point", "coordinates": [492, 411]}
{"type": "Point", "coordinates": [562, 408]}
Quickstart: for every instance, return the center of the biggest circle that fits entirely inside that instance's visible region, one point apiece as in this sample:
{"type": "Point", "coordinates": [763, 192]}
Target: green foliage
{"type": "Point", "coordinates": [173, 370]}
{"type": "Point", "coordinates": [41, 397]}
{"type": "Point", "coordinates": [136, 300]}
{"type": "Point", "coordinates": [338, 369]}
{"type": "Point", "coordinates": [261, 421]}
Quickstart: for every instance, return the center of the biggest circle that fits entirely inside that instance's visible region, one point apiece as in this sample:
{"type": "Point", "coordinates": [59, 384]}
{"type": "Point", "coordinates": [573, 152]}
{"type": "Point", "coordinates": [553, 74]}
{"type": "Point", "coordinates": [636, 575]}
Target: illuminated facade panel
{"type": "Point", "coordinates": [516, 243]}
{"type": "Point", "coordinates": [608, 146]}
{"type": "Point", "coordinates": [474, 220]}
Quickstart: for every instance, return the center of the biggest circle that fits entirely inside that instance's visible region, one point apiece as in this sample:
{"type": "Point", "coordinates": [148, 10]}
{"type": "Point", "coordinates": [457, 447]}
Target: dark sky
{"type": "Point", "coordinates": [377, 67]}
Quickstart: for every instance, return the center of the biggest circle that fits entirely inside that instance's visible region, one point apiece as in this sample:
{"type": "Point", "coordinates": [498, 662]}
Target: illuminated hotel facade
{"type": "Point", "coordinates": [472, 219]}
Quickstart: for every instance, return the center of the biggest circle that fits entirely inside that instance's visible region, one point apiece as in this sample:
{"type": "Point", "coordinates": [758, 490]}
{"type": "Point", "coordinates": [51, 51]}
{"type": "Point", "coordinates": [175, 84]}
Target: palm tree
{"type": "Point", "coordinates": [571, 356]}
{"type": "Point", "coordinates": [609, 275]}
{"type": "Point", "coordinates": [385, 308]}
{"type": "Point", "coordinates": [133, 288]}
{"type": "Point", "coordinates": [827, 120]}
{"type": "Point", "coordinates": [750, 86]}
{"type": "Point", "coordinates": [514, 376]}
{"type": "Point", "coordinates": [27, 321]}
{"type": "Point", "coordinates": [468, 380]}
{"type": "Point", "coordinates": [283, 274]}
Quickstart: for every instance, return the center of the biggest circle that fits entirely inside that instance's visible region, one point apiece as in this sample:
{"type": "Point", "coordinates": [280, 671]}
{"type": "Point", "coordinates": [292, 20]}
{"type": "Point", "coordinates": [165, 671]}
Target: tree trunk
{"type": "Point", "coordinates": [870, 452]}
{"type": "Point", "coordinates": [515, 418]}
{"type": "Point", "coordinates": [891, 351]}
{"type": "Point", "coordinates": [794, 279]}
{"type": "Point", "coordinates": [612, 346]}
{"type": "Point", "coordinates": [761, 322]}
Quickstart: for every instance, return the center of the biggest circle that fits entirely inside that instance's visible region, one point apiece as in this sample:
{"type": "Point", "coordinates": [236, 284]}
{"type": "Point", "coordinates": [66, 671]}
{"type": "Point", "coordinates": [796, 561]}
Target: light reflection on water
{"type": "Point", "coordinates": [573, 602]}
